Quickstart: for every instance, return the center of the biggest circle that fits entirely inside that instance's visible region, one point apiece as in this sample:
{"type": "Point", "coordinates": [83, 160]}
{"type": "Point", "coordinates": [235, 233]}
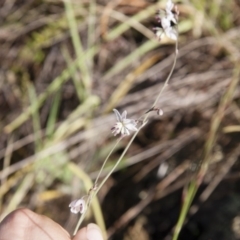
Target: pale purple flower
{"type": "Point", "coordinates": [168, 21]}
{"type": "Point", "coordinates": [77, 206]}
{"type": "Point", "coordinates": [123, 125]}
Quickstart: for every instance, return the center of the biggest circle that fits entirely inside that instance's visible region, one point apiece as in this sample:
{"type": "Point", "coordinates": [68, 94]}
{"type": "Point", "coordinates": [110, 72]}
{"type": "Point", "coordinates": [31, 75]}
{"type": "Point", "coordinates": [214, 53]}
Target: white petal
{"type": "Point", "coordinates": [171, 33]}
{"type": "Point", "coordinates": [123, 131]}
{"type": "Point", "coordinates": [169, 5]}
{"type": "Point", "coordinates": [73, 203]}
{"type": "Point", "coordinates": [124, 114]}
{"type": "Point", "coordinates": [165, 23]}
{"type": "Point", "coordinates": [116, 130]}
{"type": "Point", "coordinates": [127, 121]}
{"type": "Point", "coordinates": [117, 114]}
{"type": "Point", "coordinates": [127, 132]}
{"type": "Point", "coordinates": [74, 210]}
{"type": "Point", "coordinates": [131, 126]}
{"type": "Point", "coordinates": [171, 18]}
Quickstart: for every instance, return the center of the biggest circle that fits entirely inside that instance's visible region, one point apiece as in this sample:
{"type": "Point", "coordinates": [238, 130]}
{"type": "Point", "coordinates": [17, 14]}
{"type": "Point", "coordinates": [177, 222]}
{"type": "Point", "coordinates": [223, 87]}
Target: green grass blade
{"type": "Point", "coordinates": [91, 28]}
{"type": "Point", "coordinates": [123, 27]}
{"type": "Point", "coordinates": [146, 47]}
{"type": "Point", "coordinates": [53, 114]}
{"type": "Point", "coordinates": [35, 118]}
{"type": "Point", "coordinates": [215, 123]}
{"type": "Point", "coordinates": [77, 83]}
{"type": "Point", "coordinates": [184, 211]}
{"type": "Point", "coordinates": [78, 46]}
{"type": "Point", "coordinates": [53, 87]}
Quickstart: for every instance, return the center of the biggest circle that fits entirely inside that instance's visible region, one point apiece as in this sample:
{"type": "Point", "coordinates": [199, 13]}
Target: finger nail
{"type": "Point", "coordinates": [94, 232]}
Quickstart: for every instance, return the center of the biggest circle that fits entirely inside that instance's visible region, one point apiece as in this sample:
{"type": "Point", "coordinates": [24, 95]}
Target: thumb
{"type": "Point", "coordinates": [91, 232]}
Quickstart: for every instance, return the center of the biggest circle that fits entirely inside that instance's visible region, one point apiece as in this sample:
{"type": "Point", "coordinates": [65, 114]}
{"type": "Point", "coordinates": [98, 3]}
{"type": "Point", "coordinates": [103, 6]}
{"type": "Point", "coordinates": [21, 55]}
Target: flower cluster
{"type": "Point", "coordinates": [167, 20]}
{"type": "Point", "coordinates": [123, 125]}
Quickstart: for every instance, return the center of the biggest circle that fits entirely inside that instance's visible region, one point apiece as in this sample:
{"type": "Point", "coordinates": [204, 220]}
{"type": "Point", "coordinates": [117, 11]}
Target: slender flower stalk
{"type": "Point", "coordinates": [105, 161]}
{"type": "Point", "coordinates": [92, 192]}
{"type": "Point", "coordinates": [118, 161]}
{"type": "Point", "coordinates": [168, 25]}
{"type": "Point", "coordinates": [169, 8]}
{"type": "Point", "coordinates": [169, 75]}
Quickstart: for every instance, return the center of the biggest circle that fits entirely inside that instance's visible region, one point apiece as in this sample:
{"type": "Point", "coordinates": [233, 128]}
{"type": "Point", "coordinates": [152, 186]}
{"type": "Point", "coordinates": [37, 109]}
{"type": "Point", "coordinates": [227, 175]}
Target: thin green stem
{"type": "Point", "coordinates": [118, 161]}
{"type": "Point", "coordinates": [105, 161]}
{"type": "Point", "coordinates": [169, 75]}
{"type": "Point", "coordinates": [189, 198]}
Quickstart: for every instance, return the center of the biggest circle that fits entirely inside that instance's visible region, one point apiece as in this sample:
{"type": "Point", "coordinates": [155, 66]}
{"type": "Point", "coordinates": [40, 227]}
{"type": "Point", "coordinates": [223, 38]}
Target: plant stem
{"type": "Point", "coordinates": [93, 192]}
{"type": "Point", "coordinates": [105, 161]}
{"type": "Point", "coordinates": [169, 75]}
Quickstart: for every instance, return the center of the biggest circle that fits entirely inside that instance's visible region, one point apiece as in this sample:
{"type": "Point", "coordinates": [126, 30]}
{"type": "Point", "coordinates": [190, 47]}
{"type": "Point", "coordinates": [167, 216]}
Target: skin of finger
{"type": "Point", "coordinates": [91, 232]}
{"type": "Point", "coordinates": [81, 234]}
{"type": "Point", "coordinates": [94, 232]}
{"type": "Point", "coordinates": [24, 224]}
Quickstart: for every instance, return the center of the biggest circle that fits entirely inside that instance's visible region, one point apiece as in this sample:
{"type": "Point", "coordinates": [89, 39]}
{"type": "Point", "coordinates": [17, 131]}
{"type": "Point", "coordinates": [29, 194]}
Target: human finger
{"type": "Point", "coordinates": [24, 224]}
{"type": "Point", "coordinates": [91, 232]}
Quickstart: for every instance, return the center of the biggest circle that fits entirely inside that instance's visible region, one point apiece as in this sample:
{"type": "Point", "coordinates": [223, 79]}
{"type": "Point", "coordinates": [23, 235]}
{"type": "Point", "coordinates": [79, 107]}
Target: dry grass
{"type": "Point", "coordinates": [62, 73]}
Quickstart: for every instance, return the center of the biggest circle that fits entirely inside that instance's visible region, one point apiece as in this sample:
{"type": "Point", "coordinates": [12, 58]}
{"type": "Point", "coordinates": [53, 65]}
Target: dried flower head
{"type": "Point", "coordinates": [167, 20]}
{"type": "Point", "coordinates": [159, 111]}
{"type": "Point", "coordinates": [123, 125]}
{"type": "Point", "coordinates": [77, 206]}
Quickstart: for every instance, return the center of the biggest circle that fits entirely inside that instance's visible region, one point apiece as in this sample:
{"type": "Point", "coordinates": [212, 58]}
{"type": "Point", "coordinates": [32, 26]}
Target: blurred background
{"type": "Point", "coordinates": [65, 65]}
